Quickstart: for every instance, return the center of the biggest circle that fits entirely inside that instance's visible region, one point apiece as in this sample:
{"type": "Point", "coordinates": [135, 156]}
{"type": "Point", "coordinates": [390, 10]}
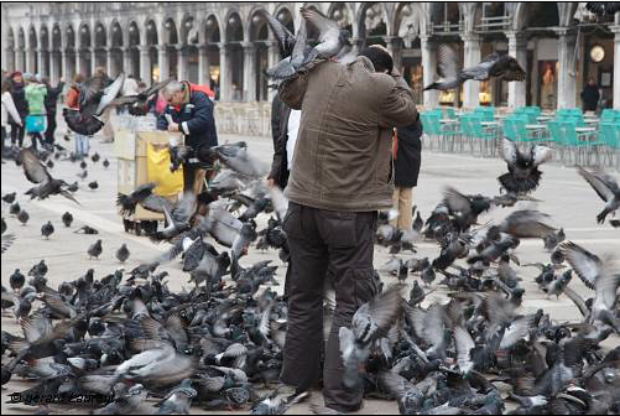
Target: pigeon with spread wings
{"type": "Point", "coordinates": [606, 188]}
{"type": "Point", "coordinates": [523, 175]}
{"type": "Point", "coordinates": [495, 65]}
{"type": "Point", "coordinates": [94, 99]}
{"type": "Point", "coordinates": [37, 173]}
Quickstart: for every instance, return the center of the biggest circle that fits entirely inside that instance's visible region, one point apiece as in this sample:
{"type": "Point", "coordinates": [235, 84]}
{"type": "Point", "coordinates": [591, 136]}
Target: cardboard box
{"type": "Point", "coordinates": [130, 148]}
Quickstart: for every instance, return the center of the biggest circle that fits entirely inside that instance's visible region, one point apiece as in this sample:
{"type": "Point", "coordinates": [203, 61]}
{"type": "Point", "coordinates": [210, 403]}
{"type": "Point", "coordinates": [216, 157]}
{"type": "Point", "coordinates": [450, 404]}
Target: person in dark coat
{"type": "Point", "coordinates": [279, 173]}
{"type": "Point", "coordinates": [590, 96]}
{"type": "Point", "coordinates": [191, 113]}
{"type": "Point", "coordinates": [18, 92]}
{"type": "Point", "coordinates": [407, 153]}
{"type": "Point", "coordinates": [51, 104]}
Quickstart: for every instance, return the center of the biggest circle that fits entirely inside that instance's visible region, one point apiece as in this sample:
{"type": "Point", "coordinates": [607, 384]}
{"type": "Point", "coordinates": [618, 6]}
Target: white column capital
{"type": "Point", "coordinates": [471, 38]}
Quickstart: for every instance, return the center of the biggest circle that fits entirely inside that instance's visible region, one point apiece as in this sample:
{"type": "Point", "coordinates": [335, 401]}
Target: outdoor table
{"type": "Point", "coordinates": [585, 129]}
{"type": "Point", "coordinates": [535, 126]}
{"type": "Point", "coordinates": [490, 123]}
{"type": "Point", "coordinates": [448, 120]}
{"type": "Point", "coordinates": [544, 118]}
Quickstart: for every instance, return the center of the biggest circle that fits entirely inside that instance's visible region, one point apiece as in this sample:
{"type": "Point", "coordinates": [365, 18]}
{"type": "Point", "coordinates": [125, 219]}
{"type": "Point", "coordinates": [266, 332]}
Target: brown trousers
{"type": "Point", "coordinates": [402, 200]}
{"type": "Point", "coordinates": [343, 243]}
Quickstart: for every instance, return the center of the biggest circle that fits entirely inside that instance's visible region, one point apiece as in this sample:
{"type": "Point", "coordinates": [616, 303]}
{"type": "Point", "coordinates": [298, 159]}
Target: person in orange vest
{"type": "Point", "coordinates": [190, 111]}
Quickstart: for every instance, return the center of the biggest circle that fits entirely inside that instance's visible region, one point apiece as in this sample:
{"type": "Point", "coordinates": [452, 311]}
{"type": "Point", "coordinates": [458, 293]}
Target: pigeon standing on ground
{"type": "Point", "coordinates": [17, 280]}
{"type": "Point", "coordinates": [93, 185]}
{"type": "Point", "coordinates": [122, 254]}
{"type": "Point", "coordinates": [23, 217]}
{"type": "Point", "coordinates": [47, 230]}
{"type": "Point", "coordinates": [95, 250]}
{"type": "Point", "coordinates": [67, 219]}
{"type": "Point", "coordinates": [9, 198]}
{"type": "Point", "coordinates": [106, 163]}
{"type": "Point", "coordinates": [15, 208]}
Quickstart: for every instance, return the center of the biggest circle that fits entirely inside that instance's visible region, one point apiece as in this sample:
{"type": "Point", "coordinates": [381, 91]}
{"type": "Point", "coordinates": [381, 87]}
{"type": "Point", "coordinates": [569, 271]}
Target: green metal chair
{"type": "Point", "coordinates": [580, 144]}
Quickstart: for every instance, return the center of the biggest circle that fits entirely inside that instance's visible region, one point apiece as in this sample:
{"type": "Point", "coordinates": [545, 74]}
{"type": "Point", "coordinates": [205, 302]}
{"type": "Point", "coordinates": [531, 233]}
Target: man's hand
{"type": "Point", "coordinates": [173, 127]}
{"type": "Point", "coordinates": [270, 182]}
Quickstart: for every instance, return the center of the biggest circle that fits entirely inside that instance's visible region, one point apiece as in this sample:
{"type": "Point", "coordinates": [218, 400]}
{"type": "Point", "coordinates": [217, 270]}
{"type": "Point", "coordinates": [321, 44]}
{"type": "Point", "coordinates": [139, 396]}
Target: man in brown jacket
{"type": "Point", "coordinates": [342, 175]}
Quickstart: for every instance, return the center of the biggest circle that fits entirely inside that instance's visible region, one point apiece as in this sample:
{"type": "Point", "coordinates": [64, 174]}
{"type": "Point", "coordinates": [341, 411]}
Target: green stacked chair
{"type": "Point", "coordinates": [578, 144]}
{"type": "Point", "coordinates": [486, 136]}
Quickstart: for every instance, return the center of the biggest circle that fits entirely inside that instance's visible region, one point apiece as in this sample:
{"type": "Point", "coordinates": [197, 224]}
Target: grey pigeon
{"type": "Point", "coordinates": [523, 174]}
{"type": "Point", "coordinates": [606, 187]}
{"type": "Point", "coordinates": [125, 402]}
{"type": "Point", "coordinates": [178, 401]}
{"type": "Point", "coordinates": [37, 173]}
{"type": "Point", "coordinates": [370, 322]}
{"type": "Point", "coordinates": [95, 250]}
{"type": "Point", "coordinates": [122, 254]}
{"type": "Point", "coordinates": [23, 217]}
{"type": "Point", "coordinates": [67, 219]}
{"type": "Point", "coordinates": [47, 230]}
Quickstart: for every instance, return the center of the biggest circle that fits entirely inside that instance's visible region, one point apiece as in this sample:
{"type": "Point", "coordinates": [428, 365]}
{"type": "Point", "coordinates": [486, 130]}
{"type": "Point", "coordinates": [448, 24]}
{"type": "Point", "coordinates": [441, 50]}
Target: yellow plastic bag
{"type": "Point", "coordinates": [158, 170]}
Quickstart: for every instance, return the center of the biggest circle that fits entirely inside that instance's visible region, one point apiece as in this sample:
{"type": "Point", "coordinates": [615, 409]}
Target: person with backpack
{"type": "Point", "coordinates": [73, 102]}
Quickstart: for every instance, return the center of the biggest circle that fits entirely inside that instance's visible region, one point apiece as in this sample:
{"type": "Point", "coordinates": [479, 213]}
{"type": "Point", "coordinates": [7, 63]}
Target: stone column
{"type": "Point", "coordinates": [471, 89]}
{"type": "Point", "coordinates": [429, 67]}
{"type": "Point", "coordinates": [249, 72]}
{"type": "Point", "coordinates": [43, 70]}
{"type": "Point", "coordinates": [567, 80]}
{"type": "Point", "coordinates": [110, 61]}
{"type": "Point", "coordinates": [183, 58]}
{"type": "Point", "coordinates": [54, 75]}
{"type": "Point", "coordinates": [224, 73]}
{"type": "Point", "coordinates": [164, 65]}
{"type": "Point", "coordinates": [93, 60]}
{"type": "Point", "coordinates": [616, 96]}
{"type": "Point", "coordinates": [357, 44]}
{"type": "Point", "coordinates": [78, 62]}
{"type": "Point", "coordinates": [19, 59]}
{"type": "Point", "coordinates": [30, 60]}
{"type": "Point", "coordinates": [145, 64]}
{"type": "Point", "coordinates": [394, 45]}
{"type": "Point", "coordinates": [127, 66]}
{"type": "Point", "coordinates": [203, 65]}
{"type": "Point", "coordinates": [64, 66]}
{"type": "Point", "coordinates": [273, 57]}
{"type": "Point", "coordinates": [517, 48]}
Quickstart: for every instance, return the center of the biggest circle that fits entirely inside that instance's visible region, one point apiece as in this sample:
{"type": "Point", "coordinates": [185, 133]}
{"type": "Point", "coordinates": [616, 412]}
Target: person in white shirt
{"type": "Point", "coordinates": [8, 109]}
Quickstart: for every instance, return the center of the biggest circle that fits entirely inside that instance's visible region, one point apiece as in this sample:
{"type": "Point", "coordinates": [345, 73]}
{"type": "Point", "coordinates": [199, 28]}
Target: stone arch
{"type": "Point", "coordinates": [170, 34]}
{"type": "Point", "coordinates": [134, 36]}
{"type": "Point", "coordinates": [69, 37]}
{"type": "Point", "coordinates": [151, 34]}
{"type": "Point", "coordinates": [11, 38]}
{"type": "Point", "coordinates": [407, 22]}
{"type": "Point", "coordinates": [44, 38]}
{"type": "Point", "coordinates": [256, 27]}
{"type": "Point", "coordinates": [85, 36]}
{"type": "Point", "coordinates": [284, 15]}
{"type": "Point", "coordinates": [372, 20]}
{"type": "Point", "coordinates": [189, 28]}
{"type": "Point", "coordinates": [445, 12]}
{"type": "Point", "coordinates": [341, 13]}
{"type": "Point", "coordinates": [57, 37]}
{"type": "Point", "coordinates": [549, 15]}
{"type": "Point", "coordinates": [234, 26]}
{"type": "Point", "coordinates": [212, 31]}
{"type": "Point", "coordinates": [115, 34]}
{"type": "Point", "coordinates": [21, 38]}
{"type": "Point", "coordinates": [33, 41]}
{"type": "Point", "coordinates": [101, 35]}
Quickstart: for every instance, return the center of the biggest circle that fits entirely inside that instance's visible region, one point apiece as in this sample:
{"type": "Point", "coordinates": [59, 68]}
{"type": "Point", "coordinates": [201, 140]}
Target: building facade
{"type": "Point", "coordinates": [228, 45]}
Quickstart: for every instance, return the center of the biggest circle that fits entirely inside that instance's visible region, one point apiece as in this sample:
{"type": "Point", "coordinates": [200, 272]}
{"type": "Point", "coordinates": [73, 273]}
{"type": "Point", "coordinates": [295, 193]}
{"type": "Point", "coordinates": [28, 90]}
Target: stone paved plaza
{"type": "Point", "coordinates": [563, 194]}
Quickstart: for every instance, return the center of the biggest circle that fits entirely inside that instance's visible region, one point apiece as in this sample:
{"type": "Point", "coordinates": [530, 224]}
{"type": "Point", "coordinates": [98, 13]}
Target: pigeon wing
{"type": "Point", "coordinates": [328, 28]}
{"type": "Point", "coordinates": [457, 201]}
{"type": "Point", "coordinates": [541, 154]}
{"type": "Point", "coordinates": [587, 265]}
{"type": "Point", "coordinates": [33, 168]}
{"type": "Point", "coordinates": [600, 186]}
{"type": "Point", "coordinates": [464, 344]}
{"type": "Point", "coordinates": [110, 93]}
{"type": "Point", "coordinates": [510, 152]}
{"type": "Point", "coordinates": [447, 62]}
{"type": "Point", "coordinates": [285, 38]}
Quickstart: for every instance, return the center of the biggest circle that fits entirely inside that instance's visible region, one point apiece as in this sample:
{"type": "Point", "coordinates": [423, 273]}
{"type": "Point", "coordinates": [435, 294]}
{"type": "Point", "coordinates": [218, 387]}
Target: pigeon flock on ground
{"type": "Point", "coordinates": [218, 344]}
